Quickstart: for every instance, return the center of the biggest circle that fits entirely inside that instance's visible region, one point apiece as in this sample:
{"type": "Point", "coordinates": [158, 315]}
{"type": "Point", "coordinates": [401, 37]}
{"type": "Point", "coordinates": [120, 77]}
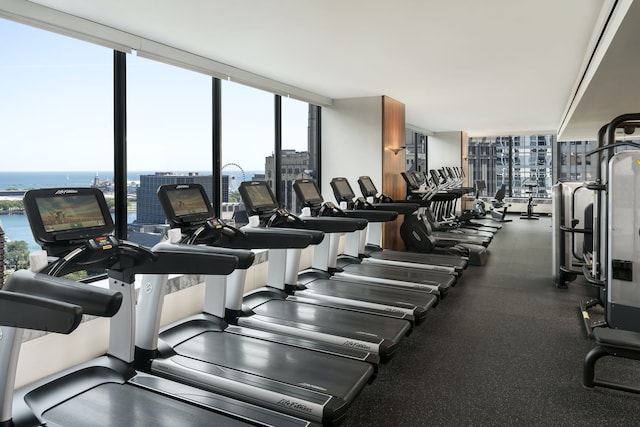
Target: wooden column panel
{"type": "Point", "coordinates": [393, 163]}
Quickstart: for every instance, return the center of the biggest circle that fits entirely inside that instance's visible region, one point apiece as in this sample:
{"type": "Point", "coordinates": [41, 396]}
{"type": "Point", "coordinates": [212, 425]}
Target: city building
{"type": "Point", "coordinates": [572, 162]}
{"type": "Point", "coordinates": [295, 165]}
{"type": "Point", "coordinates": [522, 163]}
{"type": "Point", "coordinates": [148, 207]}
{"type": "Point", "coordinates": [105, 185]}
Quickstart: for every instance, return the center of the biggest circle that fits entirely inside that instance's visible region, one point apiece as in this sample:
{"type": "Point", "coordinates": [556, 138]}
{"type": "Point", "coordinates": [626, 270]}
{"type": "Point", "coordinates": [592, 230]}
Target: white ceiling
{"type": "Point", "coordinates": [481, 66]}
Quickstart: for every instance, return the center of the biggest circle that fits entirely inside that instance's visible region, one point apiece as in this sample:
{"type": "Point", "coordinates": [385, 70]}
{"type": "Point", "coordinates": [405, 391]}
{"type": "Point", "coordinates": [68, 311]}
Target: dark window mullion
{"type": "Point", "coordinates": [120, 142]}
{"type": "Point", "coordinates": [216, 142]}
{"type": "Point", "coordinates": [277, 173]}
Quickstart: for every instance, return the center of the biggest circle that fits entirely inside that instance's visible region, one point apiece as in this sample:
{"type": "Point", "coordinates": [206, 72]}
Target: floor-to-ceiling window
{"type": "Point", "coordinates": [56, 126]}
{"type": "Point", "coordinates": [169, 135]}
{"type": "Point", "coordinates": [523, 163]}
{"type": "Point", "coordinates": [572, 163]}
{"type": "Point", "coordinates": [247, 141]}
{"type": "Point", "coordinates": [416, 151]}
{"type": "Point", "coordinates": [298, 145]}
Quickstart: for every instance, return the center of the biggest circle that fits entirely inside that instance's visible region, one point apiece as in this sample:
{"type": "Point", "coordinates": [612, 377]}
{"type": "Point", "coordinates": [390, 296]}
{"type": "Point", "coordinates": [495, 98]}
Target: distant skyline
{"type": "Point", "coordinates": [57, 110]}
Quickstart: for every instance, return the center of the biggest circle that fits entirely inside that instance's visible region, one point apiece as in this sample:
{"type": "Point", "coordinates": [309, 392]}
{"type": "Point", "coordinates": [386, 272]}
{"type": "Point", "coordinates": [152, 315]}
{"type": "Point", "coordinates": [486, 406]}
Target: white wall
{"type": "Point", "coordinates": [352, 142]}
{"type": "Point", "coordinates": [444, 149]}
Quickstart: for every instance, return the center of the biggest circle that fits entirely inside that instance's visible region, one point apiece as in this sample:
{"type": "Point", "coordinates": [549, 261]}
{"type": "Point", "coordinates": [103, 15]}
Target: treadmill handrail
{"type": "Point", "coordinates": [37, 313]}
{"type": "Point", "coordinates": [93, 300]}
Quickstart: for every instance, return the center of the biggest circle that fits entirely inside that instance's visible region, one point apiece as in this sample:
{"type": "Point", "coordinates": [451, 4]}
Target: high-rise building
{"type": "Point", "coordinates": [225, 188]}
{"type": "Point", "coordinates": [572, 162]}
{"type": "Point", "coordinates": [521, 162]}
{"type": "Point", "coordinates": [295, 165]}
{"type": "Point", "coordinates": [148, 206]}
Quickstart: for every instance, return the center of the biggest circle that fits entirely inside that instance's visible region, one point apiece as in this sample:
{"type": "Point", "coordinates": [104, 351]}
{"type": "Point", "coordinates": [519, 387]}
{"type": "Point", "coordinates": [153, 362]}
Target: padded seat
{"type": "Point", "coordinates": [611, 342]}
{"type": "Point", "coordinates": [617, 338]}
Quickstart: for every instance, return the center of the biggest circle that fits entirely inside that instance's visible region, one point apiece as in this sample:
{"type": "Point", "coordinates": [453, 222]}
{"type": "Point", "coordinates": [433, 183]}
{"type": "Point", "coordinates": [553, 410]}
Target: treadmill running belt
{"type": "Point", "coordinates": [321, 372]}
{"type": "Point", "coordinates": [356, 325]}
{"type": "Point", "coordinates": [113, 404]}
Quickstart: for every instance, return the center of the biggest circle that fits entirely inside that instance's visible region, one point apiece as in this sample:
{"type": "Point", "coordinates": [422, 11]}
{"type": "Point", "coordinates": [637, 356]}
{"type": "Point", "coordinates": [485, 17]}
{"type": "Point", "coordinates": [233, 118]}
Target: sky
{"type": "Point", "coordinates": [56, 110]}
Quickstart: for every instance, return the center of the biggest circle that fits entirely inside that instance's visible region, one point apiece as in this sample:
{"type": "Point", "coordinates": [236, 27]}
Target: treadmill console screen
{"type": "Point", "coordinates": [308, 192]}
{"type": "Point", "coordinates": [342, 190]}
{"type": "Point", "coordinates": [367, 187]}
{"type": "Point", "coordinates": [60, 215]}
{"type": "Point", "coordinates": [185, 204]}
{"type": "Point", "coordinates": [416, 179]}
{"type": "Point", "coordinates": [69, 212]}
{"type": "Point", "coordinates": [257, 196]}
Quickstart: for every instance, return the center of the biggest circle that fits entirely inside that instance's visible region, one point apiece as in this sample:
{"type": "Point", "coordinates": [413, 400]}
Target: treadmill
{"type": "Point", "coordinates": [344, 193]}
{"type": "Point", "coordinates": [352, 268]}
{"type": "Point", "coordinates": [74, 226]}
{"type": "Point", "coordinates": [451, 228]}
{"type": "Point", "coordinates": [272, 306]}
{"type": "Point", "coordinates": [366, 247]}
{"type": "Point", "coordinates": [317, 280]}
{"type": "Point", "coordinates": [260, 201]}
{"type": "Point", "coordinates": [271, 309]}
{"type": "Point", "coordinates": [415, 230]}
{"type": "Point", "coordinates": [205, 351]}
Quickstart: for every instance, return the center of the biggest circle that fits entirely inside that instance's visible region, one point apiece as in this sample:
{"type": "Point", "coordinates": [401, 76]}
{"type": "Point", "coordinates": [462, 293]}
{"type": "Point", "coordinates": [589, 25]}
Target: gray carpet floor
{"type": "Point", "coordinates": [505, 347]}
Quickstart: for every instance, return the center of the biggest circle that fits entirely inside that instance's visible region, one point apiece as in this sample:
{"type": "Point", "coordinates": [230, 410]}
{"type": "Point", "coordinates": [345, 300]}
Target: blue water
{"type": "Point", "coordinates": [29, 180]}
{"type": "Point", "coordinates": [16, 227]}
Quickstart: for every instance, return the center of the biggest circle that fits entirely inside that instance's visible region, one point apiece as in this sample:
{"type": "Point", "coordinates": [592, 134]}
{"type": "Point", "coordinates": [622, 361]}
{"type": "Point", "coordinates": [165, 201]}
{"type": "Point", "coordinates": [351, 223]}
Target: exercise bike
{"type": "Point", "coordinates": [529, 214]}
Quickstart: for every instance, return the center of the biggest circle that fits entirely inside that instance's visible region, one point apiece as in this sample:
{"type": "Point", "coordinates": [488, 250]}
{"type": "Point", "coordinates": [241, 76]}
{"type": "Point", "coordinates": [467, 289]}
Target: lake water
{"type": "Point", "coordinates": [29, 180]}
{"type": "Point", "coordinates": [16, 227]}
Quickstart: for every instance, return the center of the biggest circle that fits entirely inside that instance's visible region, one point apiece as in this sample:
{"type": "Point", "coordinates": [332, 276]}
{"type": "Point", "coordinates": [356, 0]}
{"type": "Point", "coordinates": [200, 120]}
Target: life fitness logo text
{"type": "Point", "coordinates": [294, 405]}
{"type": "Point", "coordinates": [353, 344]}
{"type": "Point", "coordinates": [66, 192]}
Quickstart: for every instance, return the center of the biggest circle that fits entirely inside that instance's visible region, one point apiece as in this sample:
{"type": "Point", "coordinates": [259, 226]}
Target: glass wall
{"type": "Point", "coordinates": [416, 151]}
{"type": "Point", "coordinates": [531, 165]}
{"type": "Point", "coordinates": [57, 129]}
{"type": "Point", "coordinates": [523, 163]}
{"type": "Point", "coordinates": [298, 142]}
{"type": "Point", "coordinates": [168, 137]}
{"type": "Point", "coordinates": [247, 142]}
{"type": "Point", "coordinates": [56, 123]}
{"type": "Point", "coordinates": [573, 164]}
